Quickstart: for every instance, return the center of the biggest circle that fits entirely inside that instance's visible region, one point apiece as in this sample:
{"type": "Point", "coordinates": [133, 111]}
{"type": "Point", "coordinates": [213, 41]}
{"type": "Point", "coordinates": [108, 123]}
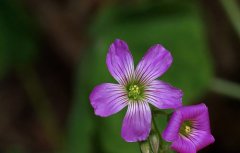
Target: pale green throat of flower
{"type": "Point", "coordinates": [186, 128]}
{"type": "Point", "coordinates": [135, 92]}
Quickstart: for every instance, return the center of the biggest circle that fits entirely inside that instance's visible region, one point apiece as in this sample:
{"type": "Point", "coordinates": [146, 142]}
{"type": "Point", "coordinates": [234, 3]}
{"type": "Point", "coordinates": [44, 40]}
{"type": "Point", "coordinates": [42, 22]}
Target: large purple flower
{"type": "Point", "coordinates": [136, 89]}
{"type": "Point", "coordinates": [189, 129]}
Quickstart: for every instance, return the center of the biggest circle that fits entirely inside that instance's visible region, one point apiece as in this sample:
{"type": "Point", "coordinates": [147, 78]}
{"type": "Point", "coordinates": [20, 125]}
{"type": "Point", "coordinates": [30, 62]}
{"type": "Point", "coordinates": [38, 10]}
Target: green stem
{"type": "Point", "coordinates": [233, 12]}
{"type": "Point", "coordinates": [227, 88]}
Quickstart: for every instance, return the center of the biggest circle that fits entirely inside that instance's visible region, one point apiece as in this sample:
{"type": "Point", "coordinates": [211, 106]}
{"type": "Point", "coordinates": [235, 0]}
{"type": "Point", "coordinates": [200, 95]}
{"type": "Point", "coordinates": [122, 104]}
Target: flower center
{"type": "Point", "coordinates": [134, 92]}
{"type": "Point", "coordinates": [186, 128]}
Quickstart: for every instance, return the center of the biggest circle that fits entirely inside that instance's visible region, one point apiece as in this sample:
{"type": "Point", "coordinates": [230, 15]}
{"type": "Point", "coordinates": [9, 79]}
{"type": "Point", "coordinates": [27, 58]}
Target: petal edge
{"type": "Point", "coordinates": [108, 99]}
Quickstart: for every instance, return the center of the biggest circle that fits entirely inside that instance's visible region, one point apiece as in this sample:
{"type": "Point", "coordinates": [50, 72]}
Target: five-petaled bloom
{"type": "Point", "coordinates": [189, 129]}
{"type": "Point", "coordinates": [136, 89]}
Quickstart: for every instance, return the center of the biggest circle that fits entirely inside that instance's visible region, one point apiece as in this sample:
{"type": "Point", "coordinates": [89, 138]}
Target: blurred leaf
{"type": "Point", "coordinates": [232, 9]}
{"type": "Point", "coordinates": [17, 36]}
{"type": "Point", "coordinates": [81, 129]}
{"type": "Point", "coordinates": [82, 133]}
{"type": "Point", "coordinates": [178, 27]}
{"type": "Point", "coordinates": [4, 61]}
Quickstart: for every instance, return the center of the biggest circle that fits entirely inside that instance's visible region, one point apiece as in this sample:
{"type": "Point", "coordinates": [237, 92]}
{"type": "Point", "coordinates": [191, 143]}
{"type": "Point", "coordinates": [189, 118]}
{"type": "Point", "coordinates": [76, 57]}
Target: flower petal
{"type": "Point", "coordinates": [197, 112]}
{"type": "Point", "coordinates": [171, 132]}
{"type": "Point", "coordinates": [137, 122]}
{"type": "Point", "coordinates": [108, 99]}
{"type": "Point", "coordinates": [162, 95]}
{"type": "Point", "coordinates": [120, 62]}
{"type": "Point", "coordinates": [154, 63]}
{"type": "Point", "coordinates": [201, 138]}
{"type": "Point", "coordinates": [183, 145]}
{"type": "Point", "coordinates": [202, 121]}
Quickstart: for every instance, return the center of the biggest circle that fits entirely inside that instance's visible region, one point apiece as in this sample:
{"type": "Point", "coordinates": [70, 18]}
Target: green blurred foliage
{"type": "Point", "coordinates": [177, 26]}
{"type": "Point", "coordinates": [16, 149]}
{"type": "Point", "coordinates": [81, 124]}
{"type": "Point", "coordinates": [17, 36]}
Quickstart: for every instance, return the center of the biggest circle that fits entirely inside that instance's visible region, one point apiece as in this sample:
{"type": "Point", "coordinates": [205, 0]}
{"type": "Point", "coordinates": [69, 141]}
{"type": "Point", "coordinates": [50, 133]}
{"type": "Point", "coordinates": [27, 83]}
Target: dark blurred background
{"type": "Point", "coordinates": [52, 54]}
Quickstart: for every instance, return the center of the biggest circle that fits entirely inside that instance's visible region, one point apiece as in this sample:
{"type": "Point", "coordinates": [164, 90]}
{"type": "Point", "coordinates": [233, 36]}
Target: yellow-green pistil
{"type": "Point", "coordinates": [134, 92]}
{"type": "Point", "coordinates": [186, 128]}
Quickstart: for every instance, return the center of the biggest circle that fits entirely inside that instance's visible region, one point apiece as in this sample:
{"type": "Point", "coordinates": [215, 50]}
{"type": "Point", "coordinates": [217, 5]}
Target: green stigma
{"type": "Point", "coordinates": [134, 92]}
{"type": "Point", "coordinates": [186, 128]}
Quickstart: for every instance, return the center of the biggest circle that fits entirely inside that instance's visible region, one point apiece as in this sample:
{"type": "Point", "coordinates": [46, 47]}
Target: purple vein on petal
{"type": "Point", "coordinates": [154, 63]}
{"type": "Point", "coordinates": [120, 62]}
{"type": "Point", "coordinates": [162, 95]}
{"type": "Point", "coordinates": [107, 99]}
{"type": "Point", "coordinates": [147, 77]}
{"type": "Point", "coordinates": [137, 122]}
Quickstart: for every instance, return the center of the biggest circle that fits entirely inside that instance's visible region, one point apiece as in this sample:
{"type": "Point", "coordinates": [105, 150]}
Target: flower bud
{"type": "Point", "coordinates": [145, 147]}
{"type": "Point", "coordinates": [154, 141]}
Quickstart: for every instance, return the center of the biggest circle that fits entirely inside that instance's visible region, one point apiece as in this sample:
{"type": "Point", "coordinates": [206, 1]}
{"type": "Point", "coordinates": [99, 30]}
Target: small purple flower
{"type": "Point", "coordinates": [189, 129]}
{"type": "Point", "coordinates": [136, 89]}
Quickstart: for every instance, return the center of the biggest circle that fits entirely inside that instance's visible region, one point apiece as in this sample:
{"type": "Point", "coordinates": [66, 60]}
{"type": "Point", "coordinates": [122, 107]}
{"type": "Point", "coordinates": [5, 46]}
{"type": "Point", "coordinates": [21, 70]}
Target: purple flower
{"type": "Point", "coordinates": [189, 129]}
{"type": "Point", "coordinates": [136, 89]}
